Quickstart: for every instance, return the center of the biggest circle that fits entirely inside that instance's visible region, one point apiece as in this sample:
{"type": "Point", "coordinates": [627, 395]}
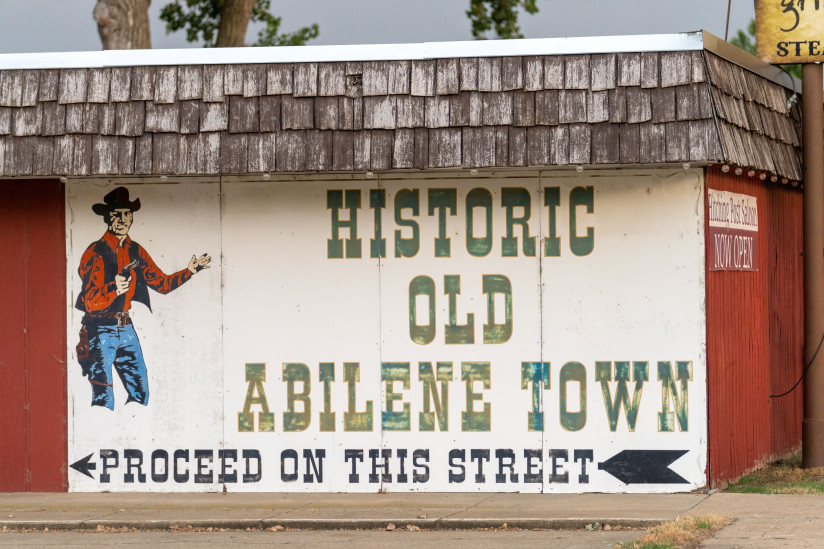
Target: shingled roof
{"type": "Point", "coordinates": [615, 108]}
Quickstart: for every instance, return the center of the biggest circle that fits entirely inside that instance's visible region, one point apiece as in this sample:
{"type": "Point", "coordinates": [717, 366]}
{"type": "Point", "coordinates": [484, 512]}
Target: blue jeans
{"type": "Point", "coordinates": [112, 346]}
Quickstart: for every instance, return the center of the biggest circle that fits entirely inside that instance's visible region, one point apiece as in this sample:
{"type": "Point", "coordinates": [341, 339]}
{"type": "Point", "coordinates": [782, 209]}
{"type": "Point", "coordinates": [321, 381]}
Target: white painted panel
{"type": "Point", "coordinates": [637, 297]}
{"type": "Point", "coordinates": [460, 458]}
{"type": "Point", "coordinates": [180, 340]}
{"type": "Point", "coordinates": [237, 341]}
{"type": "Point", "coordinates": [286, 302]}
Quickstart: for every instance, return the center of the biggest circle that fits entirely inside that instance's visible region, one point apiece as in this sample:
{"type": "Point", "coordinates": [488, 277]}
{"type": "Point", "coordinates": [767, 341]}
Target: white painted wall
{"type": "Point", "coordinates": [275, 297]}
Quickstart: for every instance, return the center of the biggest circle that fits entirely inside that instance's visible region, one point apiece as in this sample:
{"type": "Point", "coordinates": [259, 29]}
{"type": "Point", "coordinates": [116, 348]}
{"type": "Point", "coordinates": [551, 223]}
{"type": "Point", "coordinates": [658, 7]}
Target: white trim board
{"type": "Point", "coordinates": [688, 41]}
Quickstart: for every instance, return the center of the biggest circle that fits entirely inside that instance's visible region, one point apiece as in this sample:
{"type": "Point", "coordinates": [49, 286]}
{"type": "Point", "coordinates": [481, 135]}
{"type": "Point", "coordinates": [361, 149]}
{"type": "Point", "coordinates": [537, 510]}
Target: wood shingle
{"type": "Point", "coordinates": [318, 150]}
{"type": "Point", "coordinates": [143, 83]}
{"type": "Point", "coordinates": [343, 150]}
{"type": "Point", "coordinates": [72, 86]}
{"type": "Point", "coordinates": [468, 73]}
{"type": "Point", "coordinates": [580, 143]}
{"type": "Point", "coordinates": [603, 72]}
{"type": "Point", "coordinates": [213, 83]}
{"type": "Point", "coordinates": [398, 77]}
{"type": "Point", "coordinates": [254, 80]}
{"type": "Point", "coordinates": [49, 85]}
{"type": "Point", "coordinates": [162, 118]}
{"type": "Point", "coordinates": [166, 85]}
{"type": "Point", "coordinates": [489, 74]}
{"type": "Point", "coordinates": [189, 117]}
{"type": "Point", "coordinates": [11, 88]}
{"type": "Point", "coordinates": [403, 151]}
{"type": "Point", "coordinates": [380, 153]}
{"type": "Point", "coordinates": [233, 79]}
{"type": "Point", "coordinates": [538, 146]}
{"type": "Point", "coordinates": [479, 146]}
{"type": "Point", "coordinates": [31, 85]}
{"type": "Point", "coordinates": [104, 155]}
{"type": "Point", "coordinates": [380, 112]}
{"type": "Point", "coordinates": [533, 73]}
{"type": "Point", "coordinates": [422, 78]}
{"type": "Point", "coordinates": [331, 79]}
{"type": "Point", "coordinates": [99, 85]}
{"type": "Point", "coordinates": [43, 157]}
{"type": "Point", "coordinates": [447, 77]}
{"type": "Point", "coordinates": [121, 84]}
{"type": "Point", "coordinates": [512, 74]}
{"type": "Point", "coordinates": [190, 82]}
{"type": "Point", "coordinates": [614, 108]}
{"type": "Point", "coordinates": [511, 146]}
{"type": "Point", "coordinates": [444, 148]}
{"type": "Point", "coordinates": [576, 72]}
{"type": "Point", "coordinates": [306, 80]}
{"type": "Point", "coordinates": [326, 113]}
{"type": "Point", "coordinates": [436, 111]}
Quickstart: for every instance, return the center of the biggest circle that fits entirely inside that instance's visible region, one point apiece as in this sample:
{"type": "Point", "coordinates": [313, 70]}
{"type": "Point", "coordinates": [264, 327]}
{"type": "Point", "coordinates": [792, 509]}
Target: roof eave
{"type": "Point", "coordinates": [750, 62]}
{"type": "Point", "coordinates": [687, 41]}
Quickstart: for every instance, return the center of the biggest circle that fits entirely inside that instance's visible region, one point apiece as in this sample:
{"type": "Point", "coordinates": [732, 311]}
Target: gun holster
{"type": "Point", "coordinates": [83, 352]}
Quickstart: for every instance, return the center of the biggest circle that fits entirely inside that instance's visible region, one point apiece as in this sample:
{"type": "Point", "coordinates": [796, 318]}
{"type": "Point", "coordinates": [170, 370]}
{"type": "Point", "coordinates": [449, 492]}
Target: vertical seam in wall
{"type": "Point", "coordinates": [68, 405]}
{"type": "Point", "coordinates": [67, 354]}
{"type": "Point", "coordinates": [705, 193]}
{"type": "Point", "coordinates": [380, 345]}
{"type": "Point", "coordinates": [222, 443]}
{"type": "Point", "coordinates": [540, 254]}
{"type": "Point", "coordinates": [26, 339]}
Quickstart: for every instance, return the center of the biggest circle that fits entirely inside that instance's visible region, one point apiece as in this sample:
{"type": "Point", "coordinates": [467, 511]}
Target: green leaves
{"type": "Point", "coordinates": [746, 41]}
{"type": "Point", "coordinates": [199, 18]}
{"type": "Point", "coordinates": [201, 21]}
{"type": "Point", "coordinates": [269, 35]}
{"type": "Point", "coordinates": [500, 14]}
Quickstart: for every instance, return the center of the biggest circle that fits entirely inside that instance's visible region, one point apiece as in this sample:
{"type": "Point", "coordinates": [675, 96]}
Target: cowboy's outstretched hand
{"type": "Point", "coordinates": [197, 264]}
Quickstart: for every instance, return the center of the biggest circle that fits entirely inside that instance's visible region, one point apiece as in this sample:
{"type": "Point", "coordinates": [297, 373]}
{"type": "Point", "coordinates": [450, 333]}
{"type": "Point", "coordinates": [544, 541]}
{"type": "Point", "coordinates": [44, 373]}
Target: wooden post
{"type": "Point", "coordinates": [812, 115]}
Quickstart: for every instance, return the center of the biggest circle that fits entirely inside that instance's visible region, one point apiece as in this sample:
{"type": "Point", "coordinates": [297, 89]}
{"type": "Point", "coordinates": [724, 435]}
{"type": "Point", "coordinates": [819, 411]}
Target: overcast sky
{"type": "Point", "coordinates": [67, 25]}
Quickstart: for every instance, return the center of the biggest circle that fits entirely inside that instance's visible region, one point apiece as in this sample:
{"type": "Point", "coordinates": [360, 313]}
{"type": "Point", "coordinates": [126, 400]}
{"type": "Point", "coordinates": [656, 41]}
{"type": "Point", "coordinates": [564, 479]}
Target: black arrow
{"type": "Point", "coordinates": [644, 466]}
{"type": "Point", "coordinates": [83, 466]}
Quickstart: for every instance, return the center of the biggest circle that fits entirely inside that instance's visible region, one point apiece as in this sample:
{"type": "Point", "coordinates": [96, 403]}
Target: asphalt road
{"type": "Point", "coordinates": [331, 538]}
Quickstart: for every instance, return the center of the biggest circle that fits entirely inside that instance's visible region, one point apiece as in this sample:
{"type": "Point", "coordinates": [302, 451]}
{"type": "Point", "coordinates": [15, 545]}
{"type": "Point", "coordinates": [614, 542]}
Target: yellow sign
{"type": "Point", "coordinates": [790, 31]}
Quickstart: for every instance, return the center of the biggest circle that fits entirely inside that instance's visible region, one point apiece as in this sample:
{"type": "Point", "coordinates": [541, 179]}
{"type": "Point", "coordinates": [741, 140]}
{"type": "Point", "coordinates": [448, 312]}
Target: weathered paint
{"type": "Point", "coordinates": [32, 337]}
{"type": "Point", "coordinates": [732, 236]}
{"type": "Point", "coordinates": [180, 338]}
{"type": "Point", "coordinates": [755, 337]}
{"type": "Point", "coordinates": [529, 333]}
{"type": "Point", "coordinates": [788, 32]}
{"type": "Point", "coordinates": [473, 112]}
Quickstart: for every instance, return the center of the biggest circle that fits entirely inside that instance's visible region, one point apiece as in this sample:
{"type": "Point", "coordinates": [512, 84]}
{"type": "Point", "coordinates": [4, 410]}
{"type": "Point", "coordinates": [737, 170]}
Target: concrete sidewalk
{"type": "Point", "coordinates": [760, 520]}
{"type": "Point", "coordinates": [766, 520]}
{"type": "Point", "coordinates": [374, 510]}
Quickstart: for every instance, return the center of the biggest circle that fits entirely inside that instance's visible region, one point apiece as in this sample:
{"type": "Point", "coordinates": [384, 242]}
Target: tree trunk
{"type": "Point", "coordinates": [233, 23]}
{"type": "Point", "coordinates": [123, 24]}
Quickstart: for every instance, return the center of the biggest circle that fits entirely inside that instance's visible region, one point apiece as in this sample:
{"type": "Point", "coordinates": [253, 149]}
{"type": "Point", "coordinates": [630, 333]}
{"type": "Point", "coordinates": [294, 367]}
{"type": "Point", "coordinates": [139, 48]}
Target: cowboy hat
{"type": "Point", "coordinates": [116, 200]}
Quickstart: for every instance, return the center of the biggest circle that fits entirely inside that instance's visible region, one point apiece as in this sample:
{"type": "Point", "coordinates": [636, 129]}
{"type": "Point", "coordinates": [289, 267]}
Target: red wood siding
{"type": "Point", "coordinates": [755, 337]}
{"type": "Point", "coordinates": [32, 336]}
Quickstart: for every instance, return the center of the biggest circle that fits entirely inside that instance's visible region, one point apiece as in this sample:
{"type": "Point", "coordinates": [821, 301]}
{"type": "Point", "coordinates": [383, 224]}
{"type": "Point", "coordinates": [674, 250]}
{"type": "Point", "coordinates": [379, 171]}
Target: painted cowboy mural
{"type": "Point", "coordinates": [116, 272]}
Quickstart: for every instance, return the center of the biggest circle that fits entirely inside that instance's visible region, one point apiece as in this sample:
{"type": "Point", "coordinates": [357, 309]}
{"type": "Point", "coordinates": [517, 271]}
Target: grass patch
{"type": "Point", "coordinates": [782, 477]}
{"type": "Point", "coordinates": [682, 533]}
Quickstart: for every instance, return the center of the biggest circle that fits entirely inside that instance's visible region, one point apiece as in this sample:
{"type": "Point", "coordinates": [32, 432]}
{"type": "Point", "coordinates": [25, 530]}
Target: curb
{"type": "Point", "coordinates": [327, 524]}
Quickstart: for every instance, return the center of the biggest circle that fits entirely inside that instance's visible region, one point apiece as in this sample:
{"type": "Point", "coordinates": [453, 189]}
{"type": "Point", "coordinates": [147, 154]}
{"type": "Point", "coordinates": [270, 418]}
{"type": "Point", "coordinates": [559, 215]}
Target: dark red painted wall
{"type": "Point", "coordinates": [32, 336]}
{"type": "Point", "coordinates": [755, 337]}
